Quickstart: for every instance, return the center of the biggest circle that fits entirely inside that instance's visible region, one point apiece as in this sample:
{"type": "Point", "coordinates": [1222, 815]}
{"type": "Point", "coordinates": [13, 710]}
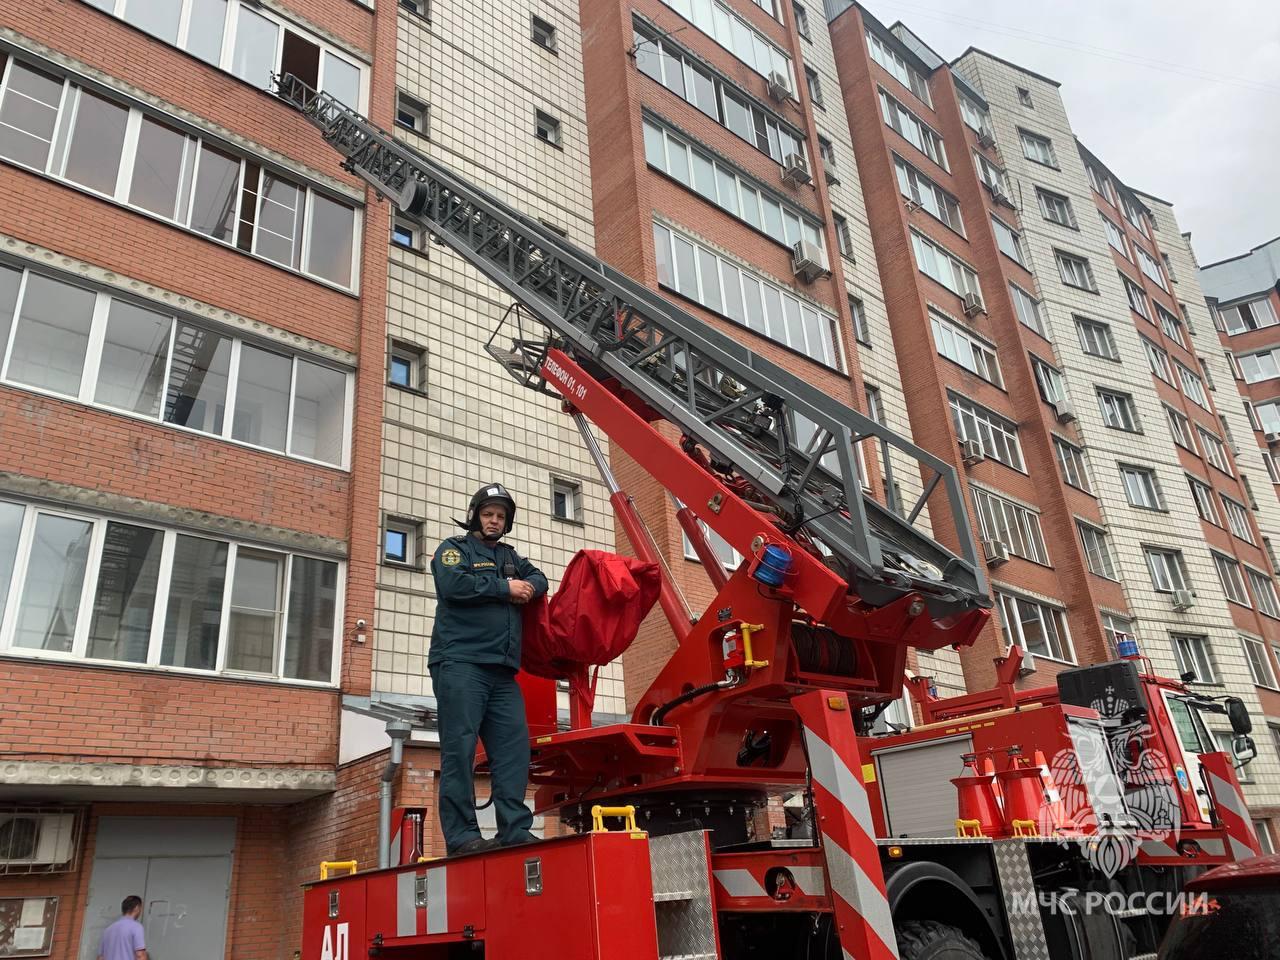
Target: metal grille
{"type": "Point", "coordinates": [782, 439]}
{"type": "Point", "coordinates": [39, 839]}
{"type": "Point", "coordinates": [682, 897]}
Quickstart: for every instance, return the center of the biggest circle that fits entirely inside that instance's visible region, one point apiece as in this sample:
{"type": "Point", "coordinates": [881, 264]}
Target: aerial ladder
{"type": "Point", "coordinates": [767, 691]}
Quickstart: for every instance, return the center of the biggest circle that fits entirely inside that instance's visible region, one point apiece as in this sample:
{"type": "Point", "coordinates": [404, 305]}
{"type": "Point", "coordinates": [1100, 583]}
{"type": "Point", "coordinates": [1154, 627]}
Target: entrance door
{"type": "Point", "coordinates": [180, 866]}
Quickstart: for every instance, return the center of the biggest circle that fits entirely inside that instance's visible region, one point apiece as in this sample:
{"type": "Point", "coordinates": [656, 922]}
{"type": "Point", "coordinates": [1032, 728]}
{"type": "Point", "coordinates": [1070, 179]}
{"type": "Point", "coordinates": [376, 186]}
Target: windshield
{"type": "Point", "coordinates": [1225, 926]}
{"type": "Point", "coordinates": [1187, 722]}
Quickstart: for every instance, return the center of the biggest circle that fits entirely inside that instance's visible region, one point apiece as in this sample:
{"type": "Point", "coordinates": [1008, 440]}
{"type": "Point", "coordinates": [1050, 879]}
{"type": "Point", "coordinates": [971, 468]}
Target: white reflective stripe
{"type": "Point", "coordinates": [739, 883]}
{"type": "Point", "coordinates": [437, 901]}
{"type": "Point", "coordinates": [1226, 795]}
{"type": "Point", "coordinates": [1158, 848]}
{"type": "Point", "coordinates": [1239, 850]}
{"type": "Point", "coordinates": [847, 877]}
{"type": "Point", "coordinates": [809, 880]}
{"type": "Point", "coordinates": [406, 908]}
{"type": "Point", "coordinates": [1215, 848]}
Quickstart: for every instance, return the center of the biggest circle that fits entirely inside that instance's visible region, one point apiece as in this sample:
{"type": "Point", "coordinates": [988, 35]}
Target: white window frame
{"type": "Point", "coordinates": [1118, 406]}
{"type": "Point", "coordinates": [1141, 487]}
{"type": "Point", "coordinates": [997, 436]}
{"type": "Point", "coordinates": [1097, 550]}
{"type": "Point", "coordinates": [1075, 271]}
{"type": "Point", "coordinates": [940, 265]}
{"type": "Point", "coordinates": [1115, 236]}
{"type": "Point", "coordinates": [1157, 360]}
{"type": "Point", "coordinates": [1202, 495]}
{"type": "Point", "coordinates": [1237, 515]}
{"type": "Point", "coordinates": [1038, 148]}
{"type": "Point", "coordinates": [1231, 578]}
{"type": "Point", "coordinates": [1008, 241]}
{"type": "Point", "coordinates": [1151, 269]}
{"type": "Point", "coordinates": [572, 492]}
{"type": "Point", "coordinates": [897, 67]}
{"type": "Point", "coordinates": [1116, 628]}
{"type": "Point", "coordinates": [903, 122]}
{"type": "Point", "coordinates": [1016, 526]}
{"type": "Point", "coordinates": [84, 619]}
{"type": "Point", "coordinates": [412, 533]}
{"type": "Point", "coordinates": [959, 345]}
{"type": "Point", "coordinates": [1053, 203]}
{"type": "Point", "coordinates": [1260, 668]}
{"type": "Point", "coordinates": [1011, 625]}
{"type": "Point", "coordinates": [1171, 325]}
{"type": "Point", "coordinates": [1096, 338]}
{"type": "Point", "coordinates": [1138, 301]}
{"type": "Point", "coordinates": [1264, 592]}
{"type": "Point", "coordinates": [1027, 308]}
{"type": "Point", "coordinates": [1168, 569]}
{"type": "Point", "coordinates": [1215, 451]}
{"type": "Point", "coordinates": [1180, 427]}
{"type": "Point", "coordinates": [719, 22]}
{"type": "Point", "coordinates": [1194, 655]}
{"type": "Point", "coordinates": [1072, 465]}
{"type": "Point", "coordinates": [1260, 315]}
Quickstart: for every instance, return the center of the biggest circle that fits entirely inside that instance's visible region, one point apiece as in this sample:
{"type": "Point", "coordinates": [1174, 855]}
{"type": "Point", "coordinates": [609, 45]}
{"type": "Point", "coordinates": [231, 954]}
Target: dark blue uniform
{"type": "Point", "coordinates": [473, 659]}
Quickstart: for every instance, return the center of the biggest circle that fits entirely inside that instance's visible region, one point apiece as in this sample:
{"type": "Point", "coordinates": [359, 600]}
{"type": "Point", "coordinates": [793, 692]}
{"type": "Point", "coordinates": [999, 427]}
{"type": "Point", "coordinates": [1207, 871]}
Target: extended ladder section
{"type": "Point", "coordinates": [794, 446]}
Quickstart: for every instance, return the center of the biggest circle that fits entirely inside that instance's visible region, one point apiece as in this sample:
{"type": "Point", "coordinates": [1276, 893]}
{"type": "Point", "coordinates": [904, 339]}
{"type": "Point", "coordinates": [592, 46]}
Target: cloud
{"type": "Point", "coordinates": [1179, 100]}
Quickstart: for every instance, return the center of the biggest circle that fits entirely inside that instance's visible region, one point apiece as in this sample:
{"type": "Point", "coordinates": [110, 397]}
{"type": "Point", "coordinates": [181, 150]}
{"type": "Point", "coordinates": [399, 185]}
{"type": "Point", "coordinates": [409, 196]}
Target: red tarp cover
{"type": "Point", "coordinates": [592, 618]}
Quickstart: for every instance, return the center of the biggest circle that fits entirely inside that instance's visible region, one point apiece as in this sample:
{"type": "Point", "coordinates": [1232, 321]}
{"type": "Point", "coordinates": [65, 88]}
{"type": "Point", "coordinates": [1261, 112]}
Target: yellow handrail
{"type": "Point", "coordinates": [747, 630]}
{"type": "Point", "coordinates": [327, 865]}
{"type": "Point", "coordinates": [1025, 828]}
{"type": "Point", "coordinates": [598, 813]}
{"type": "Point", "coordinates": [964, 826]}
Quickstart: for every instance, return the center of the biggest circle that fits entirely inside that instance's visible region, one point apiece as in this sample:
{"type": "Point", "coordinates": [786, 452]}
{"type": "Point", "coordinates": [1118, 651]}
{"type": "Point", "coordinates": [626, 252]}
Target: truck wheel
{"type": "Point", "coordinates": [929, 940]}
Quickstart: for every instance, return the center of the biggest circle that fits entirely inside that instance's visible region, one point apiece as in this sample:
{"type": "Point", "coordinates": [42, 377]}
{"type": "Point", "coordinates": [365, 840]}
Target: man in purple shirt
{"type": "Point", "coordinates": [124, 940]}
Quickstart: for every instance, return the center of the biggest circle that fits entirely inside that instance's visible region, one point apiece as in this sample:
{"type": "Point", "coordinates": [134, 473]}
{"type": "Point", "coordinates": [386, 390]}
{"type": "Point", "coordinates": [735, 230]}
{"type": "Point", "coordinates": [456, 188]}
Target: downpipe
{"type": "Point", "coordinates": [398, 731]}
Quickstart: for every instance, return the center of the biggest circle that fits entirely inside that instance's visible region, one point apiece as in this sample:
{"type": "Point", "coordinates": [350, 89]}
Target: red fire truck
{"type": "Point", "coordinates": [772, 693]}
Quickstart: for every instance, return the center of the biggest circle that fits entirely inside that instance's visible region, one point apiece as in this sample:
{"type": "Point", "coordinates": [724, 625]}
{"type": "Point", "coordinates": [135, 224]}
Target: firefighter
{"type": "Point", "coordinates": [481, 585]}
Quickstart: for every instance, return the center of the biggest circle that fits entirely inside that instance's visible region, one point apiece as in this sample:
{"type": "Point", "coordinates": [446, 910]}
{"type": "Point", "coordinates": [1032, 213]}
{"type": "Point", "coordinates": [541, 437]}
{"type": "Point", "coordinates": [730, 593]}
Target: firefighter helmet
{"type": "Point", "coordinates": [489, 493]}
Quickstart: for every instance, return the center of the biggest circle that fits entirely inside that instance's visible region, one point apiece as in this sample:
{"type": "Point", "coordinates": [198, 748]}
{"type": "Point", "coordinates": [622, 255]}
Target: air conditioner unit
{"type": "Point", "coordinates": [1183, 600]}
{"type": "Point", "coordinates": [829, 171]}
{"type": "Point", "coordinates": [1065, 411]}
{"type": "Point", "coordinates": [998, 195]}
{"type": "Point", "coordinates": [1273, 437]}
{"type": "Point", "coordinates": [971, 452]}
{"type": "Point", "coordinates": [795, 169]}
{"type": "Point", "coordinates": [985, 139]}
{"type": "Point", "coordinates": [37, 839]}
{"type": "Point", "coordinates": [779, 86]}
{"type": "Point", "coordinates": [806, 261]}
{"type": "Point", "coordinates": [1028, 664]}
{"type": "Point", "coordinates": [995, 552]}
{"type": "Point", "coordinates": [972, 304]}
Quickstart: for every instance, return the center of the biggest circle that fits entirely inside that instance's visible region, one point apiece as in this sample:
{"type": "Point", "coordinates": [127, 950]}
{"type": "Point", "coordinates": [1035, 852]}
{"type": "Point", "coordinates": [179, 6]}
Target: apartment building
{"type": "Point", "coordinates": [1057, 350]}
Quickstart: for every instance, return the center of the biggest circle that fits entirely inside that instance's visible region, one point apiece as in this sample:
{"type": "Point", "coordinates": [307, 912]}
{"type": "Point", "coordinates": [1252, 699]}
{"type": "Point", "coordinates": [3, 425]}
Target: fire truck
{"type": "Point", "coordinates": [771, 698]}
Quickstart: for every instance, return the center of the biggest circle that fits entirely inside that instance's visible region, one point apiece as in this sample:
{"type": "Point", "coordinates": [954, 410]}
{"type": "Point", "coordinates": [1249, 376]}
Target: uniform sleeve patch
{"type": "Point", "coordinates": [451, 557]}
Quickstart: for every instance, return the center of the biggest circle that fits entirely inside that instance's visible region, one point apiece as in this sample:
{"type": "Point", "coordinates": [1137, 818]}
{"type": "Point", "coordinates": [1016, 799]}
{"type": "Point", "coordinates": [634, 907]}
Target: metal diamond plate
{"type": "Point", "coordinates": [683, 897]}
{"type": "Point", "coordinates": [1018, 890]}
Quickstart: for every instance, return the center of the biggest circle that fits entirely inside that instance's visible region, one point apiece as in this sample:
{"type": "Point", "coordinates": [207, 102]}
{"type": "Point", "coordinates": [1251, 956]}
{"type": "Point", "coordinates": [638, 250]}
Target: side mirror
{"type": "Point", "coordinates": [1243, 749]}
{"type": "Point", "coordinates": [1238, 714]}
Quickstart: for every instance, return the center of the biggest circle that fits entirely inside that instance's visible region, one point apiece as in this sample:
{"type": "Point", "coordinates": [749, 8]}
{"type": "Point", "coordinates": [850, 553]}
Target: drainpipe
{"type": "Point", "coordinates": [398, 731]}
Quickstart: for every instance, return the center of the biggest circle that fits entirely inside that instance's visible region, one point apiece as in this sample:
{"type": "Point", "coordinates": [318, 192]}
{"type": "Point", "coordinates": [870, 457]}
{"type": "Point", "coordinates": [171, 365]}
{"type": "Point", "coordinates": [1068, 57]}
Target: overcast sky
{"type": "Point", "coordinates": [1180, 99]}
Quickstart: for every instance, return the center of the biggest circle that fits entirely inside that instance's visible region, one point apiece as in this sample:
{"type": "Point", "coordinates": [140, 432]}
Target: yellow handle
{"type": "Point", "coordinates": [964, 826]}
{"type": "Point", "coordinates": [598, 813]}
{"type": "Point", "coordinates": [327, 865]}
{"type": "Point", "coordinates": [747, 630]}
{"type": "Point", "coordinates": [1025, 828]}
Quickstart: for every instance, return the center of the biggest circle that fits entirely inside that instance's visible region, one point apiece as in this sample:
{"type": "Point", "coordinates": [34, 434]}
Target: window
{"type": "Point", "coordinates": [276, 218]}
{"type": "Point", "coordinates": [688, 78]}
{"type": "Point", "coordinates": [415, 6]}
{"type": "Point", "coordinates": [912, 129]}
{"type": "Point", "coordinates": [1171, 326]}
{"type": "Point", "coordinates": [918, 188]}
{"type": "Point", "coordinates": [1256, 367]}
{"type": "Point", "coordinates": [566, 500]}
{"type": "Point", "coordinates": [1214, 451]}
{"type": "Point", "coordinates": [1118, 410]}
{"type": "Point", "coordinates": [412, 113]}
{"type": "Point", "coordinates": [882, 52]}
{"type": "Point", "coordinates": [1237, 518]}
{"type": "Point", "coordinates": [1075, 271]}
{"type": "Point", "coordinates": [1116, 237]}
{"type": "Point", "coordinates": [1137, 298]}
{"type": "Point", "coordinates": [1236, 372]}
{"type": "Point", "coordinates": [63, 331]}
{"type": "Point", "coordinates": [542, 33]}
{"type": "Point", "coordinates": [729, 558]}
{"type": "Point", "coordinates": [1202, 494]}
{"type": "Point", "coordinates": [1264, 833]}
{"type": "Point", "coordinates": [1096, 339]}
{"type": "Point", "coordinates": [1238, 318]}
{"type": "Point", "coordinates": [861, 329]}
{"type": "Point", "coordinates": [729, 189]}
{"type": "Point", "coordinates": [960, 346]}
{"type": "Point", "coordinates": [1024, 98]}
{"type": "Point", "coordinates": [1168, 570]}
{"type": "Point", "coordinates": [935, 262]}
{"type": "Point", "coordinates": [875, 404]}
{"type": "Point", "coordinates": [1037, 148]}
{"type": "Point", "coordinates": [102, 589]}
{"type": "Point", "coordinates": [260, 44]}
{"type": "Point", "coordinates": [1028, 309]}
{"type": "Point", "coordinates": [1264, 592]}
{"type": "Point", "coordinates": [802, 19]}
{"type": "Point", "coordinates": [992, 176]}
{"type": "Point", "coordinates": [1268, 415]}
{"type": "Point", "coordinates": [1133, 213]}
{"type": "Point", "coordinates": [997, 436]}
{"type": "Point", "coordinates": [1055, 207]}
{"type": "Point", "coordinates": [1071, 464]}
{"type": "Point", "coordinates": [546, 127]}
{"type": "Point", "coordinates": [1117, 630]}
{"type": "Point", "coordinates": [814, 84]}
{"type": "Point", "coordinates": [404, 233]}
{"type": "Point", "coordinates": [1269, 462]}
{"type": "Point", "coordinates": [1053, 389]}
{"type": "Point", "coordinates": [1141, 488]}
{"type": "Point", "coordinates": [1147, 264]}
{"type": "Point", "coordinates": [401, 542]}
{"type": "Point", "coordinates": [407, 366]}
{"type": "Point", "coordinates": [1194, 657]}
{"type": "Point", "coordinates": [1272, 559]}
{"type": "Point", "coordinates": [1097, 550]}
{"type": "Point", "coordinates": [1036, 627]}
{"type": "Point", "coordinates": [744, 41]}
{"type": "Point", "coordinates": [1014, 525]}
{"type": "Point", "coordinates": [1181, 428]}
{"type": "Point", "coordinates": [975, 116]}
{"type": "Point", "coordinates": [1158, 361]}
{"type": "Point", "coordinates": [843, 237]}
{"type": "Point", "coordinates": [828, 154]}
{"type": "Point", "coordinates": [1231, 579]}
{"type": "Point", "coordinates": [723, 286]}
{"type": "Point", "coordinates": [1008, 241]}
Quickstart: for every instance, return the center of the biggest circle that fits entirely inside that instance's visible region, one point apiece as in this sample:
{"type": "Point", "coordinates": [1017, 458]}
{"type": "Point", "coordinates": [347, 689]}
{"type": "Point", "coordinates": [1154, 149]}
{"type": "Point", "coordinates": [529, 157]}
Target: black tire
{"type": "Point", "coordinates": [930, 940]}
